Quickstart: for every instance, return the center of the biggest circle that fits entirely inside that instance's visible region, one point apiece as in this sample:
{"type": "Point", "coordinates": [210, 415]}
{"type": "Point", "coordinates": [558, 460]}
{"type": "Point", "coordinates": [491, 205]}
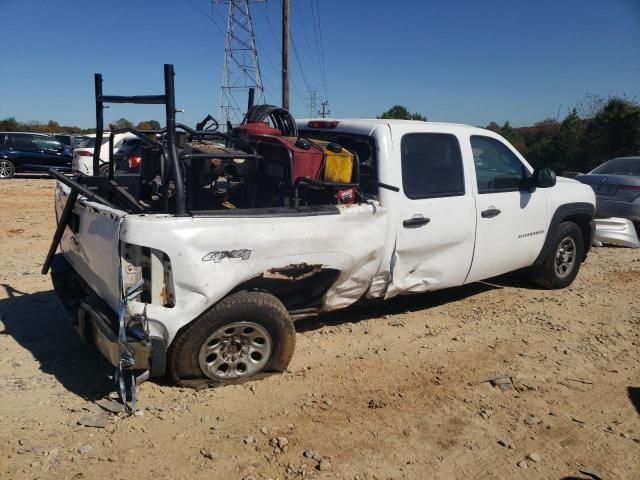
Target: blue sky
{"type": "Point", "coordinates": [463, 61]}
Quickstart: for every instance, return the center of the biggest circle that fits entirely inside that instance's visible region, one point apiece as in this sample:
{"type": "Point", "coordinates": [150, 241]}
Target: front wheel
{"type": "Point", "coordinates": [7, 169]}
{"type": "Point", "coordinates": [245, 335]}
{"type": "Point", "coordinates": [561, 265]}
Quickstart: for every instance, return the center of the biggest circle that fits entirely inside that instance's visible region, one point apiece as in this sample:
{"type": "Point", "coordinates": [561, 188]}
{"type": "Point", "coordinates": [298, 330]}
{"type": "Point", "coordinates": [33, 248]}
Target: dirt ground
{"type": "Point", "coordinates": [394, 391]}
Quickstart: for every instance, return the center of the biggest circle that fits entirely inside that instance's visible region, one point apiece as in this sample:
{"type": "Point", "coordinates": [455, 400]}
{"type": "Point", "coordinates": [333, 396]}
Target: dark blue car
{"type": "Point", "coordinates": [31, 152]}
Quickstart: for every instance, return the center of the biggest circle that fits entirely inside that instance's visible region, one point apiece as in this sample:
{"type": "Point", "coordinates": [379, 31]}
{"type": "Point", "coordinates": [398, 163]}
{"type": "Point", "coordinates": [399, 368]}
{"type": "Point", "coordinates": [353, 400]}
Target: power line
{"type": "Point", "coordinates": [317, 30]}
{"type": "Point", "coordinates": [210, 17]}
{"type": "Point", "coordinates": [295, 52]}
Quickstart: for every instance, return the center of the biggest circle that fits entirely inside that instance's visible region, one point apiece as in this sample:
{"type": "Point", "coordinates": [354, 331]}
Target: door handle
{"type": "Point", "coordinates": [490, 212]}
{"type": "Point", "coordinates": [416, 222]}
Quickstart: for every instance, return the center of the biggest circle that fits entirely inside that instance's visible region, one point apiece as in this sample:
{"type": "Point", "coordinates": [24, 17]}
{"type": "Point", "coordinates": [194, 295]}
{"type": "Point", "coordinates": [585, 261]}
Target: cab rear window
{"type": "Point", "coordinates": [431, 165]}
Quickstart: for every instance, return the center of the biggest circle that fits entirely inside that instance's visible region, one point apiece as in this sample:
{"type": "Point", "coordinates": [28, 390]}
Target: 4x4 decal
{"type": "Point", "coordinates": [217, 257]}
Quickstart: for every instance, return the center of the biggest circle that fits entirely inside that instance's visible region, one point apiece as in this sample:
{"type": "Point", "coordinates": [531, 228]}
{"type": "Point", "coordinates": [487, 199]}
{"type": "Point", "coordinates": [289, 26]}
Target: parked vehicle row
{"type": "Point", "coordinates": [31, 152]}
{"type": "Point", "coordinates": [70, 140]}
{"type": "Point", "coordinates": [24, 152]}
{"type": "Point", "coordinates": [83, 154]}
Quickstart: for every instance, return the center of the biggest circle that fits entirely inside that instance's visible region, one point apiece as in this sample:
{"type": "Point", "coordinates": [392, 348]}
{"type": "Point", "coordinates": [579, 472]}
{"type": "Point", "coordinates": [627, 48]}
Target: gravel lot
{"type": "Point", "coordinates": [402, 390]}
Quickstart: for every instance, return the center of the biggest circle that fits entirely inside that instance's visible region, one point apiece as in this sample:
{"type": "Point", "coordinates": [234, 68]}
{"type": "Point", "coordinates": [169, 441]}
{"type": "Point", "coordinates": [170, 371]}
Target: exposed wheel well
{"type": "Point", "coordinates": [584, 223]}
{"type": "Point", "coordinates": [296, 286]}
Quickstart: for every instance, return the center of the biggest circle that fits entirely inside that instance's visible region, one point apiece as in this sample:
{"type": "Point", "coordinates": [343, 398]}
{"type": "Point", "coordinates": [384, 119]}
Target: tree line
{"type": "Point", "coordinates": [595, 130]}
{"type": "Point", "coordinates": [12, 125]}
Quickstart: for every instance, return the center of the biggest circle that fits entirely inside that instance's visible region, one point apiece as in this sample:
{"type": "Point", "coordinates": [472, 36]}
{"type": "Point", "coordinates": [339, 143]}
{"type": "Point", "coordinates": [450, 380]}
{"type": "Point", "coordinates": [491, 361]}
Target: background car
{"type": "Point", "coordinates": [129, 156]}
{"type": "Point", "coordinates": [616, 184]}
{"type": "Point", "coordinates": [31, 152]}
{"type": "Point", "coordinates": [70, 140]}
{"type": "Point", "coordinates": [83, 154]}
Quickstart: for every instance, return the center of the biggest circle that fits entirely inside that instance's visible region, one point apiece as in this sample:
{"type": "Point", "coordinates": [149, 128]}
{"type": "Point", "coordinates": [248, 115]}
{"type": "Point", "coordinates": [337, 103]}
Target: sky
{"type": "Point", "coordinates": [464, 61]}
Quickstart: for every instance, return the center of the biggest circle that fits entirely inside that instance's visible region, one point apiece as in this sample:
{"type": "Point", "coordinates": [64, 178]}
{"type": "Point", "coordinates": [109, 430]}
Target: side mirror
{"type": "Point", "coordinates": [544, 177]}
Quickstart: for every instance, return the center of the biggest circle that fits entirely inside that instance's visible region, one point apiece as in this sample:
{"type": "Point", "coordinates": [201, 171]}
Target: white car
{"type": "Point", "coordinates": [83, 154]}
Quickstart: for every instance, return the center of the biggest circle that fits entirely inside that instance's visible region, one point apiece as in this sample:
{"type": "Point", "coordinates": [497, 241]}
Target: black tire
{"type": "Point", "coordinates": [554, 272]}
{"type": "Point", "coordinates": [262, 310]}
{"type": "Point", "coordinates": [7, 169]}
{"type": "Point", "coordinates": [104, 170]}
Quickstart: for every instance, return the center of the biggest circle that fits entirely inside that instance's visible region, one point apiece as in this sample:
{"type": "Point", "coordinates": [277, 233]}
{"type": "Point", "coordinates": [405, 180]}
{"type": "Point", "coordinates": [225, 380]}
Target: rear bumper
{"type": "Point", "coordinates": [613, 208]}
{"type": "Point", "coordinates": [97, 324]}
{"type": "Point", "coordinates": [618, 231]}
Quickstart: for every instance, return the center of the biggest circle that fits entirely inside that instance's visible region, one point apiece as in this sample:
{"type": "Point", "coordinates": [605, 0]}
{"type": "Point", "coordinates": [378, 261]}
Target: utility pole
{"type": "Point", "coordinates": [285, 54]}
{"type": "Point", "coordinates": [325, 111]}
{"type": "Point", "coordinates": [241, 70]}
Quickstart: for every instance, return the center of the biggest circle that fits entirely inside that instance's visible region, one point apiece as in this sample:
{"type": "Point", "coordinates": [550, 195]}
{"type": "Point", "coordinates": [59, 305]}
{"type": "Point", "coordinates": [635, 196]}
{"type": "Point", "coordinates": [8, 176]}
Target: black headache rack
{"type": "Point", "coordinates": [164, 167]}
{"type": "Point", "coordinates": [185, 171]}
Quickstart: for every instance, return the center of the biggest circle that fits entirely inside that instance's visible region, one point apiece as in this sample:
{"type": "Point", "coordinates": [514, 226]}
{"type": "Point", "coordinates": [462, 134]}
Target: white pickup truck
{"type": "Point", "coordinates": [210, 296]}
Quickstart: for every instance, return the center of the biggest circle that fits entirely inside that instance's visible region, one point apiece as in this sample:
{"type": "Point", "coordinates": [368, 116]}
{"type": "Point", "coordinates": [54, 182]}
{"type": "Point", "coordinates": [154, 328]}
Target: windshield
{"type": "Point", "coordinates": [619, 166]}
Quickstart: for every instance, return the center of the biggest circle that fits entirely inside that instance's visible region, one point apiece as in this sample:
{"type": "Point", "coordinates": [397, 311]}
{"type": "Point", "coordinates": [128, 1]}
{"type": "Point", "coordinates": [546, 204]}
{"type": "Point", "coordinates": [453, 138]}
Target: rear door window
{"type": "Point", "coordinates": [46, 143]}
{"type": "Point", "coordinates": [22, 142]}
{"type": "Point", "coordinates": [431, 165]}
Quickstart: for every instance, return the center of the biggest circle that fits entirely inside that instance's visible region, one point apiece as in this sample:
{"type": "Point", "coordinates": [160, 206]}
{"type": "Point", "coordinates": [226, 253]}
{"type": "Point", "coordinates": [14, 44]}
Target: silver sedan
{"type": "Point", "coordinates": [616, 184]}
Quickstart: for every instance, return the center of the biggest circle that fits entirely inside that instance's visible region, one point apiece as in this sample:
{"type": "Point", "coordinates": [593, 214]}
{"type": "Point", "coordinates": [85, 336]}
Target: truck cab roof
{"type": "Point", "coordinates": [364, 126]}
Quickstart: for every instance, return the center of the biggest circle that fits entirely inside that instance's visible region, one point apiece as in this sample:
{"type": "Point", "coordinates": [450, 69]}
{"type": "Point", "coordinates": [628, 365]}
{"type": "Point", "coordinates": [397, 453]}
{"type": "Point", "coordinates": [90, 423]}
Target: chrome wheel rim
{"type": "Point", "coordinates": [235, 351]}
{"type": "Point", "coordinates": [565, 257]}
{"type": "Point", "coordinates": [6, 169]}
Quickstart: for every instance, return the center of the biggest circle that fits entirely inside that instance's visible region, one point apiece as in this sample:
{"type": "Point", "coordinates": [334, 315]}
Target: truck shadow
{"type": "Point", "coordinates": [397, 305]}
{"type": "Point", "coordinates": [634, 397]}
{"type": "Point", "coordinates": [40, 324]}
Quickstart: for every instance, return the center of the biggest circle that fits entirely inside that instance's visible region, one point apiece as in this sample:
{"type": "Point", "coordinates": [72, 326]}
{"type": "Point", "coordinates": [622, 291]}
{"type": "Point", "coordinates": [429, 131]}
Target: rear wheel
{"type": "Point", "coordinates": [7, 169]}
{"type": "Point", "coordinates": [561, 265]}
{"type": "Point", "coordinates": [244, 336]}
{"type": "Point", "coordinates": [104, 170]}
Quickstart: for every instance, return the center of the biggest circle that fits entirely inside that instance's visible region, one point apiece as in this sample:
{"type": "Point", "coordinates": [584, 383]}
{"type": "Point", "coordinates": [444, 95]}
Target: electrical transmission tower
{"type": "Point", "coordinates": [312, 106]}
{"type": "Point", "coordinates": [241, 69]}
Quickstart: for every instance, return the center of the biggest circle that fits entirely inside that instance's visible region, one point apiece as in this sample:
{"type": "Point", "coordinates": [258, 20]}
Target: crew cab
{"type": "Point", "coordinates": [205, 284]}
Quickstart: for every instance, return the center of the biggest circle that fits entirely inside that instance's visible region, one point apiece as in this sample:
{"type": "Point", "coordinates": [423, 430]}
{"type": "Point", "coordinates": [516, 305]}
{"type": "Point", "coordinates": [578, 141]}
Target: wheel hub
{"type": "Point", "coordinates": [6, 169]}
{"type": "Point", "coordinates": [565, 257]}
{"type": "Point", "coordinates": [235, 351]}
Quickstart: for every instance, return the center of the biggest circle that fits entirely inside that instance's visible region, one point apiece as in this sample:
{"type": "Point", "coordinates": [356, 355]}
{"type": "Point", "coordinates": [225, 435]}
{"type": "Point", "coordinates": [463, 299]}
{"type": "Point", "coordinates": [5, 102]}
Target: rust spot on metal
{"type": "Point", "coordinates": [293, 272]}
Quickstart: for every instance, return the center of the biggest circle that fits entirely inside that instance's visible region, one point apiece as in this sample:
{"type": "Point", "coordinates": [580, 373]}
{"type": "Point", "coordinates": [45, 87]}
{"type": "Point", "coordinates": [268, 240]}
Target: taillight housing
{"type": "Point", "coordinates": [134, 161]}
{"type": "Point", "coordinates": [83, 153]}
{"type": "Point", "coordinates": [323, 124]}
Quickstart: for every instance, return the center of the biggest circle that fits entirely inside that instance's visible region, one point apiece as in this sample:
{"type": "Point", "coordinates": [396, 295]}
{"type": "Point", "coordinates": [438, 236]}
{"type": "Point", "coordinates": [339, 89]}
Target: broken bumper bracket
{"type": "Point", "coordinates": [97, 323]}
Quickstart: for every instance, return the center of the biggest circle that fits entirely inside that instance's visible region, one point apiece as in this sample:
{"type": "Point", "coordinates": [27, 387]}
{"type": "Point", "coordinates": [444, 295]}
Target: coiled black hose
{"type": "Point", "coordinates": [279, 118]}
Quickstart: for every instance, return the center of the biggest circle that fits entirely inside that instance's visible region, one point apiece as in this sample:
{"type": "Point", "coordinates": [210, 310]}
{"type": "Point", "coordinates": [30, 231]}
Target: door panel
{"type": "Point", "coordinates": [24, 150]}
{"type": "Point", "coordinates": [511, 222]}
{"type": "Point", "coordinates": [51, 155]}
{"type": "Point", "coordinates": [436, 216]}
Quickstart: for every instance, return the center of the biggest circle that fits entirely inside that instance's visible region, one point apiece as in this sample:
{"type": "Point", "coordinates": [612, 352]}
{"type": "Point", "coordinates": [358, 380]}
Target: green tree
{"type": "Point", "coordinates": [53, 126]}
{"type": "Point", "coordinates": [614, 131]}
{"type": "Point", "coordinates": [9, 125]}
{"type": "Point", "coordinates": [514, 137]}
{"type": "Point", "coordinates": [567, 145]}
{"type": "Point", "coordinates": [494, 127]}
{"type": "Point", "coordinates": [121, 123]}
{"type": "Point", "coordinates": [149, 125]}
{"type": "Point", "coordinates": [402, 113]}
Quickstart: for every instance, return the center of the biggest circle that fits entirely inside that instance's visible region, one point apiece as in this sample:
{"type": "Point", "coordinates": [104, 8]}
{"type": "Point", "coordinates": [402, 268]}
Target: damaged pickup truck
{"type": "Point", "coordinates": [197, 266]}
